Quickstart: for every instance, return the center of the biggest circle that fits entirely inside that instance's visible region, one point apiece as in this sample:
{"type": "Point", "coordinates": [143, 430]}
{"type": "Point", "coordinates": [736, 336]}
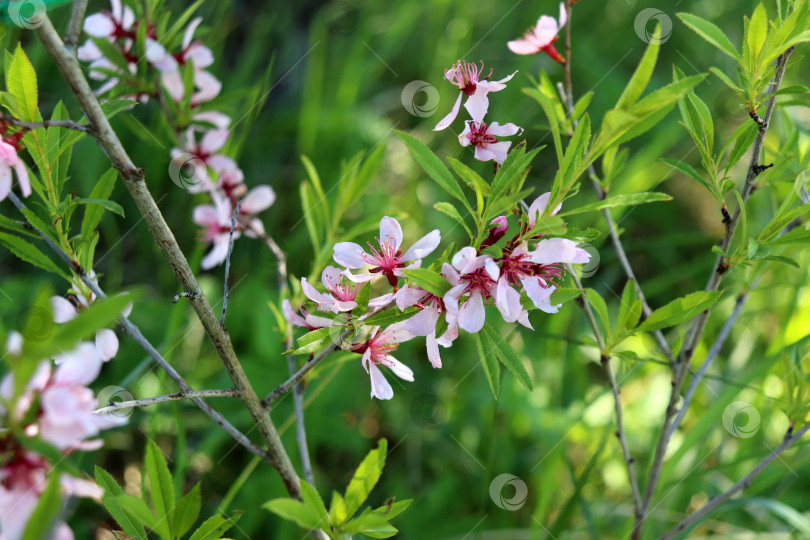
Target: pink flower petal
{"type": "Point", "coordinates": [391, 232]}
{"type": "Point", "coordinates": [98, 25]}
{"type": "Point", "coordinates": [523, 46]}
{"type": "Point", "coordinates": [400, 370]}
{"type": "Point", "coordinates": [349, 255]}
{"type": "Point", "coordinates": [380, 388]}
{"type": "Point", "coordinates": [447, 120]}
{"type": "Point", "coordinates": [106, 344]}
{"type": "Point", "coordinates": [471, 315]}
{"type": "Point", "coordinates": [423, 247]}
{"type": "Point", "coordinates": [258, 199]}
{"type": "Point", "coordinates": [63, 310]}
{"type": "Point", "coordinates": [424, 322]}
{"type": "Point", "coordinates": [433, 351]}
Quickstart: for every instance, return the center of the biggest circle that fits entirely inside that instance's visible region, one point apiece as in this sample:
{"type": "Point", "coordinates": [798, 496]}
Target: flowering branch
{"type": "Point", "coordinates": [133, 178]}
{"type": "Point", "coordinates": [139, 338]}
{"type": "Point", "coordinates": [680, 368]}
{"type": "Point", "coordinates": [746, 481]}
{"type": "Point", "coordinates": [146, 402]}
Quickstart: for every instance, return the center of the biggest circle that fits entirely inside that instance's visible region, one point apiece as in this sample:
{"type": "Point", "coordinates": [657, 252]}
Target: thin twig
{"type": "Point", "coordinates": [146, 402]}
{"type": "Point", "coordinates": [139, 338]}
{"type": "Point", "coordinates": [67, 124]}
{"type": "Point", "coordinates": [226, 294]}
{"type": "Point", "coordinates": [74, 27]}
{"type": "Point", "coordinates": [716, 501]}
{"type": "Point", "coordinates": [568, 99]}
{"type": "Point", "coordinates": [629, 461]}
{"type": "Point", "coordinates": [680, 368]}
{"type": "Point", "coordinates": [133, 178]}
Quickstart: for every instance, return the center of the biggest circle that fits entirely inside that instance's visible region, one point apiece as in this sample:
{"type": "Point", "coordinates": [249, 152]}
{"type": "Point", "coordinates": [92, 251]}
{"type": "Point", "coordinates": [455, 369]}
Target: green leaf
{"type": "Point", "coordinates": [295, 511]}
{"type": "Point", "coordinates": [138, 508]}
{"type": "Point", "coordinates": [711, 33]}
{"type": "Point", "coordinates": [314, 502]}
{"type": "Point", "coordinates": [431, 281]}
{"type": "Point", "coordinates": [43, 518]}
{"type": "Point", "coordinates": [726, 80]}
{"type": "Point", "coordinates": [599, 305]}
{"type": "Point", "coordinates": [641, 76]}
{"type": "Point", "coordinates": [582, 105]}
{"type": "Point", "coordinates": [115, 106]}
{"type": "Point", "coordinates": [390, 316]}
{"type": "Point", "coordinates": [629, 199]}
{"type": "Point", "coordinates": [186, 512]}
{"type": "Point", "coordinates": [393, 509]}
{"type": "Point", "coordinates": [449, 210]}
{"type": "Point", "coordinates": [21, 82]}
{"type": "Point", "coordinates": [757, 33]}
{"type": "Point", "coordinates": [688, 170]}
{"type": "Point", "coordinates": [562, 295]}
{"type": "Point", "coordinates": [486, 352]}
{"type": "Point", "coordinates": [337, 510]}
{"type": "Point", "coordinates": [125, 520]}
{"type": "Point", "coordinates": [30, 254]}
{"type": "Point", "coordinates": [112, 206]}
{"type": "Point", "coordinates": [679, 310]}
{"type": "Point", "coordinates": [161, 488]}
{"type": "Point", "coordinates": [433, 167]}
{"type": "Point", "coordinates": [507, 356]}
{"type": "Point", "coordinates": [101, 191]}
{"type": "Point", "coordinates": [310, 205]}
{"type": "Point", "coordinates": [554, 122]}
{"type": "Point", "coordinates": [313, 341]}
{"type": "Point", "coordinates": [470, 177]}
{"type": "Point", "coordinates": [796, 236]}
{"type": "Point", "coordinates": [365, 477]}
{"type": "Point", "coordinates": [742, 143]}
{"type": "Point", "coordinates": [215, 526]}
{"type": "Point", "coordinates": [370, 523]}
{"type": "Point", "coordinates": [630, 308]}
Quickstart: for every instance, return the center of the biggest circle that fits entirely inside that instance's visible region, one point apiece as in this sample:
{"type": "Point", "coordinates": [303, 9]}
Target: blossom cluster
{"type": "Point", "coordinates": [56, 407]}
{"type": "Point", "coordinates": [528, 264]}
{"type": "Point", "coordinates": [197, 161]}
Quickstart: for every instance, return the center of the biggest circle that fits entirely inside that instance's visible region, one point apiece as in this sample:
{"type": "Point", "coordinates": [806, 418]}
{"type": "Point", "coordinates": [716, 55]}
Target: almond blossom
{"type": "Point", "coordinates": [388, 260]}
{"type": "Point", "coordinates": [484, 139]}
{"type": "Point", "coordinates": [376, 352]}
{"type": "Point", "coordinates": [431, 307]}
{"type": "Point", "coordinates": [341, 292]}
{"type": "Point", "coordinates": [206, 151]}
{"type": "Point", "coordinates": [304, 319]}
{"type": "Point", "coordinates": [215, 219]}
{"type": "Point", "coordinates": [10, 160]}
{"type": "Point", "coordinates": [466, 76]}
{"type": "Point", "coordinates": [473, 277]}
{"type": "Point", "coordinates": [541, 37]}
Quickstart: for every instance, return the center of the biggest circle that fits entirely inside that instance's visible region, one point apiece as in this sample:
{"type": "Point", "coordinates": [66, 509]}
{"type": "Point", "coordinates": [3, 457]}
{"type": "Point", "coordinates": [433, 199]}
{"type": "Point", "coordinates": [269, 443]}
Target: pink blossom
{"type": "Point", "coordinates": [22, 481]}
{"type": "Point", "coordinates": [112, 25]}
{"type": "Point", "coordinates": [467, 77]}
{"type": "Point", "coordinates": [10, 160]}
{"type": "Point", "coordinates": [424, 322]}
{"type": "Point", "coordinates": [216, 222]}
{"type": "Point", "coordinates": [205, 152]}
{"type": "Point", "coordinates": [541, 37]}
{"type": "Point", "coordinates": [388, 260]}
{"type": "Point", "coordinates": [304, 320]}
{"type": "Point", "coordinates": [484, 138]}
{"type": "Point", "coordinates": [475, 277]}
{"type": "Point", "coordinates": [538, 206]}
{"type": "Point", "coordinates": [376, 352]}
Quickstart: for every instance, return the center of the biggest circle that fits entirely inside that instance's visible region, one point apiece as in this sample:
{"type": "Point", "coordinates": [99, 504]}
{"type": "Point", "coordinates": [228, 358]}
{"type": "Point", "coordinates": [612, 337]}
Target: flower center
{"type": "Point", "coordinates": [480, 281]}
{"type": "Point", "coordinates": [479, 136]}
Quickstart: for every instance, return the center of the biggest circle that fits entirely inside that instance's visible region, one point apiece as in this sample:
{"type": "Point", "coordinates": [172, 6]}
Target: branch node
{"type": "Point", "coordinates": [187, 294]}
{"type": "Point", "coordinates": [759, 168]}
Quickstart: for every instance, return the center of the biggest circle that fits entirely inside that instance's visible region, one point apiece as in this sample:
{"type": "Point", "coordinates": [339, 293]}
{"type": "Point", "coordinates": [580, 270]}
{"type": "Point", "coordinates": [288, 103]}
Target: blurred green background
{"type": "Point", "coordinates": [337, 71]}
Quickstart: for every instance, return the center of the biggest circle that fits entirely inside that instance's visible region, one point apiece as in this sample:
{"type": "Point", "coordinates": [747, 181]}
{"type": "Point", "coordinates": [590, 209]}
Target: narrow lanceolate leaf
{"type": "Point", "coordinates": [486, 352]}
{"type": "Point", "coordinates": [449, 210]}
{"type": "Point", "coordinates": [21, 82]}
{"type": "Point", "coordinates": [365, 477]}
{"type": "Point", "coordinates": [138, 508]}
{"type": "Point", "coordinates": [563, 295]}
{"type": "Point", "coordinates": [161, 488]}
{"type": "Point", "coordinates": [508, 357]}
{"type": "Point", "coordinates": [294, 511]}
{"type": "Point", "coordinates": [101, 191]}
{"type": "Point", "coordinates": [688, 170]}
{"type": "Point", "coordinates": [370, 524]}
{"type": "Point", "coordinates": [433, 167]}
{"type": "Point", "coordinates": [215, 526]}
{"type": "Point", "coordinates": [30, 254]}
{"type": "Point", "coordinates": [186, 512]}
{"type": "Point", "coordinates": [630, 199]}
{"type": "Point", "coordinates": [641, 77]}
{"type": "Point", "coordinates": [429, 280]}
{"type": "Point", "coordinates": [125, 520]}
{"type": "Point", "coordinates": [112, 206]}
{"type": "Point", "coordinates": [390, 316]}
{"type": "Point", "coordinates": [711, 33]}
{"type": "Point", "coordinates": [679, 310]}
{"type": "Point", "coordinates": [314, 502]}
